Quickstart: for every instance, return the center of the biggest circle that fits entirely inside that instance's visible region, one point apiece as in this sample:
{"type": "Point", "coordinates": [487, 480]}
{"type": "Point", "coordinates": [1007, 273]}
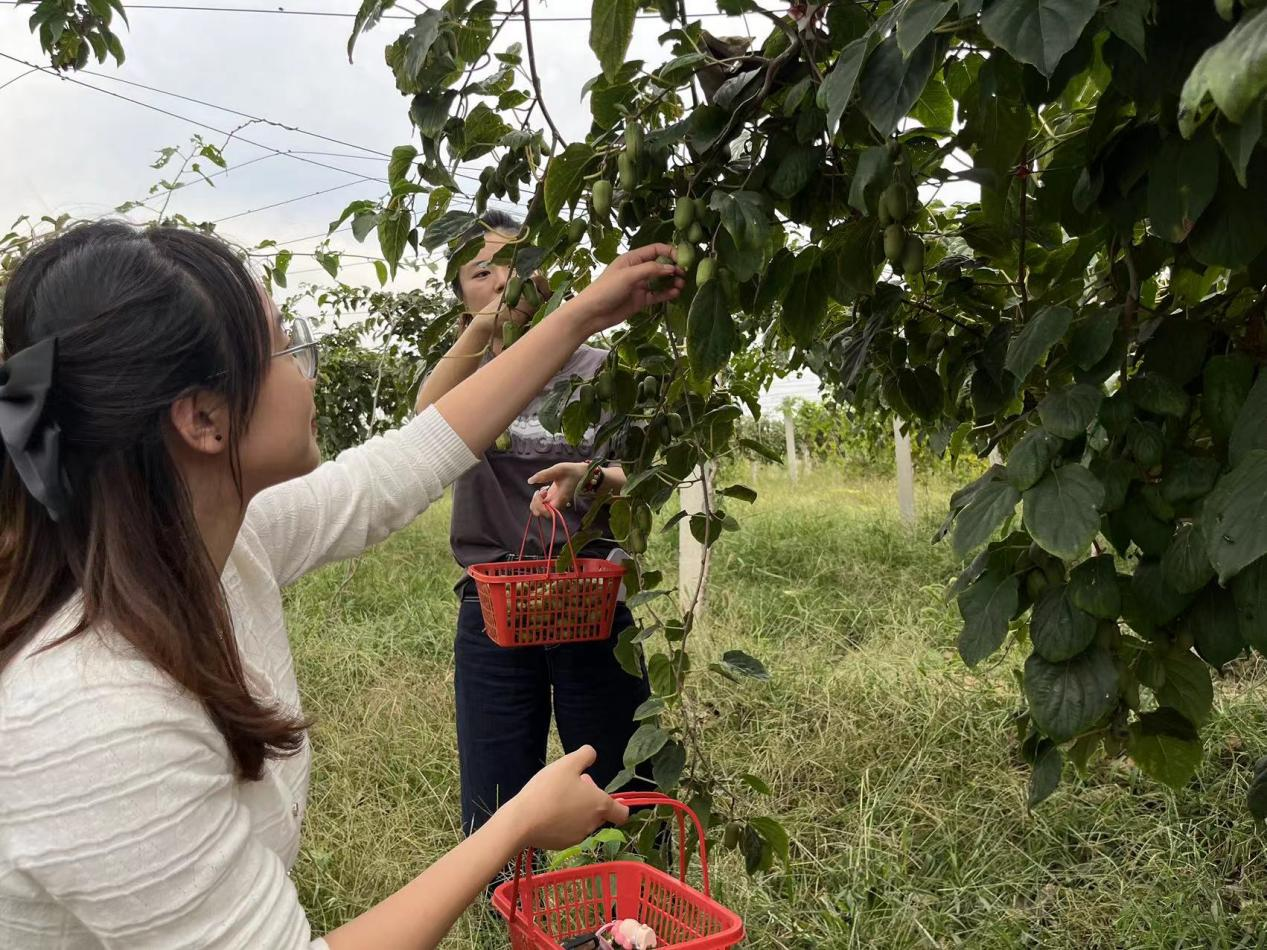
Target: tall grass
{"type": "Point", "coordinates": [894, 767]}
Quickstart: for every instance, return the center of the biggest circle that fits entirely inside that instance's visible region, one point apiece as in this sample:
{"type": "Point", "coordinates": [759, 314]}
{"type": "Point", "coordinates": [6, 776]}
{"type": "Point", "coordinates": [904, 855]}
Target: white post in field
{"type": "Point", "coordinates": [789, 429]}
{"type": "Point", "coordinates": [905, 473]}
{"type": "Point", "coordinates": [692, 556]}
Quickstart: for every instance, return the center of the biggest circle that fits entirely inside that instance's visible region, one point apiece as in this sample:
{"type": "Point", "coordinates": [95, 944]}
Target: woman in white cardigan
{"type": "Point", "coordinates": [159, 485]}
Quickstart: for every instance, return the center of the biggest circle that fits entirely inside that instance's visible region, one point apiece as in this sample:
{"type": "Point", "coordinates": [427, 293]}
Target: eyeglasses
{"type": "Point", "coordinates": [305, 349]}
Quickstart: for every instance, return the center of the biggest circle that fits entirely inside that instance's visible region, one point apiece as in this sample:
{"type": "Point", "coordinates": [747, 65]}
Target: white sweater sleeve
{"type": "Point", "coordinates": [118, 803]}
{"type": "Point", "coordinates": [357, 500]}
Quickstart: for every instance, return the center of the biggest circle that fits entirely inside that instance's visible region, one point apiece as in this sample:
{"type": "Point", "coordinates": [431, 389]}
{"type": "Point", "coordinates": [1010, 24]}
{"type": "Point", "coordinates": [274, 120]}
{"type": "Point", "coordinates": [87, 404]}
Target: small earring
{"type": "Point", "coordinates": [219, 438]}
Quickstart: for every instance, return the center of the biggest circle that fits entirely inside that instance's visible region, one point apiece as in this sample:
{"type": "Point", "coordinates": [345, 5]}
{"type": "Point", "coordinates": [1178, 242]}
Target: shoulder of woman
{"type": "Point", "coordinates": [586, 361]}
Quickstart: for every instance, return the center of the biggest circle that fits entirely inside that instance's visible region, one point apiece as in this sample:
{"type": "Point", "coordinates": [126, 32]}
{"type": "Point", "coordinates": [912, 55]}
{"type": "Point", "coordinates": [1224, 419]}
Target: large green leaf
{"type": "Point", "coordinates": [1188, 477]}
{"type": "Point", "coordinates": [1165, 745]}
{"type": "Point", "coordinates": [1249, 593]}
{"type": "Point", "coordinates": [1048, 766]}
{"type": "Point", "coordinates": [1235, 517]}
{"type": "Point", "coordinates": [1212, 623]}
{"type": "Point", "coordinates": [1227, 385]}
{"type": "Point", "coordinates": [1186, 686]}
{"type": "Point", "coordinates": [874, 165]}
{"type": "Point", "coordinates": [917, 20]}
{"type": "Point", "coordinates": [1093, 588]}
{"type": "Point", "coordinates": [1058, 629]}
{"type": "Point", "coordinates": [1062, 511]}
{"type": "Point", "coordinates": [1185, 565]}
{"type": "Point", "coordinates": [996, 121]}
{"type": "Point", "coordinates": [982, 516]}
{"type": "Point", "coordinates": [565, 175]}
{"type": "Point", "coordinates": [1182, 181]}
{"type": "Point", "coordinates": [393, 231]}
{"type": "Point", "coordinates": [987, 607]}
{"type": "Point", "coordinates": [1161, 602]}
{"type": "Point", "coordinates": [1239, 141]}
{"type": "Point", "coordinates": [1250, 430]}
{"type": "Point", "coordinates": [891, 84]}
{"type": "Point", "coordinates": [796, 168]}
{"type": "Point", "coordinates": [806, 301]}
{"type": "Point", "coordinates": [611, 29]}
{"type": "Point", "coordinates": [837, 88]}
{"type": "Point", "coordinates": [935, 109]}
{"type": "Point", "coordinates": [1039, 335]}
{"type": "Point", "coordinates": [1031, 458]}
{"type": "Point", "coordinates": [1067, 412]}
{"type": "Point", "coordinates": [448, 227]}
{"type": "Point", "coordinates": [745, 216]}
{"type": "Point", "coordinates": [710, 331]}
{"type": "Point", "coordinates": [646, 741]}
{"type": "Point", "coordinates": [1232, 72]}
{"type": "Point", "coordinates": [1233, 230]}
{"type": "Point", "coordinates": [1038, 32]}
{"type": "Point", "coordinates": [370, 12]}
{"type": "Point", "coordinates": [1068, 698]}
{"type": "Point", "coordinates": [1157, 394]}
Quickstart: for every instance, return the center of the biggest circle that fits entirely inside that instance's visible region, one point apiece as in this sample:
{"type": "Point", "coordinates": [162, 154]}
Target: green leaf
{"type": "Point", "coordinates": [806, 302]}
{"type": "Point", "coordinates": [649, 709]}
{"type": "Point", "coordinates": [565, 176]}
{"type": "Point", "coordinates": [1250, 430]}
{"type": "Point", "coordinates": [1181, 184]}
{"type": "Point", "coordinates": [795, 170]}
{"type": "Point", "coordinates": [623, 778]}
{"type": "Point", "coordinates": [981, 517]}
{"type": "Point", "coordinates": [1046, 776]}
{"type": "Point", "coordinates": [667, 765]}
{"type": "Point", "coordinates": [1062, 511]}
{"type": "Point", "coordinates": [1249, 593]}
{"type": "Point", "coordinates": [935, 109]}
{"type": "Point", "coordinates": [917, 20]}
{"type": "Point", "coordinates": [1031, 458]}
{"type": "Point", "coordinates": [874, 166]}
{"type": "Point", "coordinates": [774, 834]}
{"type": "Point", "coordinates": [1093, 588]}
{"type": "Point", "coordinates": [1228, 380]}
{"type": "Point", "coordinates": [366, 18]}
{"type": "Point", "coordinates": [1233, 230]}
{"type": "Point", "coordinates": [611, 29]}
{"type": "Point", "coordinates": [1038, 32]}
{"type": "Point", "coordinates": [756, 783]}
{"type": "Point", "coordinates": [706, 529]}
{"type": "Point", "coordinates": [1093, 336]}
{"type": "Point", "coordinates": [745, 665]}
{"type": "Point", "coordinates": [1186, 686]}
{"type": "Point", "coordinates": [711, 335]}
{"type": "Point", "coordinates": [1185, 565]}
{"type": "Point", "coordinates": [1068, 412]}
{"type": "Point", "coordinates": [1239, 140]}
{"type": "Point", "coordinates": [1165, 746]}
{"type": "Point", "coordinates": [1039, 335]}
{"type": "Point", "coordinates": [987, 607]}
{"type": "Point", "coordinates": [628, 653]}
{"type": "Point", "coordinates": [393, 234]}
{"type": "Point", "coordinates": [448, 227]}
{"type": "Point", "coordinates": [430, 112]}
{"type": "Point", "coordinates": [837, 88]}
{"type": "Point", "coordinates": [1232, 72]}
{"type": "Point", "coordinates": [891, 84]}
{"type": "Point", "coordinates": [1234, 518]}
{"type": "Point", "coordinates": [1212, 623]}
{"type": "Point", "coordinates": [1058, 629]}
{"type": "Point", "coordinates": [421, 36]}
{"type": "Point", "coordinates": [1126, 19]}
{"type": "Point", "coordinates": [1069, 698]}
{"type": "Point", "coordinates": [1157, 394]}
{"type": "Point", "coordinates": [745, 215]}
{"type": "Point", "coordinates": [1188, 477]}
{"type": "Point", "coordinates": [647, 740]}
{"type": "Point", "coordinates": [576, 422]}
{"type": "Point", "coordinates": [661, 674]}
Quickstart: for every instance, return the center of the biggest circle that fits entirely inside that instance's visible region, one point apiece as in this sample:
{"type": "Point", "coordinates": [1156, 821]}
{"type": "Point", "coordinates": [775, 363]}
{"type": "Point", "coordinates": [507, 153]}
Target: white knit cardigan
{"type": "Point", "coordinates": [121, 822]}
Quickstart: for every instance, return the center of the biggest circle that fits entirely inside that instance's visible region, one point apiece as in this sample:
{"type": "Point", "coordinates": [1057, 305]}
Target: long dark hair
{"type": "Point", "coordinates": [141, 318]}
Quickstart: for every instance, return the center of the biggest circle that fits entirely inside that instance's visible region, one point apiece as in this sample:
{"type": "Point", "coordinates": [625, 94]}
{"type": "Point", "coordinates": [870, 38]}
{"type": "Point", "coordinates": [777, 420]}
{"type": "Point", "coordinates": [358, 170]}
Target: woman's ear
{"type": "Point", "coordinates": [200, 422]}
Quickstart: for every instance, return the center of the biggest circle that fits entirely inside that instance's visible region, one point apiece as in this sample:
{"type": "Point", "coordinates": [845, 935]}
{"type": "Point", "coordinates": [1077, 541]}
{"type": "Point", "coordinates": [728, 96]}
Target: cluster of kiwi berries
{"type": "Point", "coordinates": [538, 609]}
{"type": "Point", "coordinates": [504, 179]}
{"type": "Point", "coordinates": [898, 205]}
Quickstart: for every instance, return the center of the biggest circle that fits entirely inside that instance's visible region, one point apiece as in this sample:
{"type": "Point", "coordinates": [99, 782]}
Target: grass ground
{"type": "Point", "coordinates": [892, 765]}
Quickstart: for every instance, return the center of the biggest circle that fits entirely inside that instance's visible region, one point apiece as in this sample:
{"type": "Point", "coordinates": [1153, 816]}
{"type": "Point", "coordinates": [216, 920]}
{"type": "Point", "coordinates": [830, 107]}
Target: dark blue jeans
{"type": "Point", "coordinates": [505, 697]}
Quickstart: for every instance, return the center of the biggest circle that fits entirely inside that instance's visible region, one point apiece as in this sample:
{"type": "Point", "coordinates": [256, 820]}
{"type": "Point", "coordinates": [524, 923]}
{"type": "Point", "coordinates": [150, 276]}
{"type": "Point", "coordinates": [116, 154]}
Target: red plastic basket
{"type": "Point", "coordinates": [530, 603]}
{"type": "Point", "coordinates": [545, 909]}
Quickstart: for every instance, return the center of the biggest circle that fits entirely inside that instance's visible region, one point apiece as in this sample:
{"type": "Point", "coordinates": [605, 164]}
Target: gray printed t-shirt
{"type": "Point", "coordinates": [491, 501]}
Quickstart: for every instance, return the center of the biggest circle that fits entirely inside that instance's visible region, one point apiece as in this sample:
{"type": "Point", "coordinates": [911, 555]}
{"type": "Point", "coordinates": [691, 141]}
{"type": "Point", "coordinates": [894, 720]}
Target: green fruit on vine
{"type": "Point", "coordinates": [514, 289]}
{"type": "Point", "coordinates": [706, 271]}
{"type": "Point", "coordinates": [585, 394]}
{"type": "Point", "coordinates": [894, 243]}
{"type": "Point", "coordinates": [686, 255]}
{"type": "Point", "coordinates": [503, 442]}
{"type": "Point", "coordinates": [627, 170]}
{"type": "Point", "coordinates": [675, 424]}
{"type": "Point", "coordinates": [601, 198]}
{"type": "Point", "coordinates": [636, 542]}
{"type": "Point", "coordinates": [576, 230]}
{"type": "Point", "coordinates": [604, 387]}
{"type": "Point", "coordinates": [912, 254]}
{"type": "Point", "coordinates": [532, 296]}
{"type": "Point", "coordinates": [510, 333]}
{"type": "Point", "coordinates": [882, 214]}
{"type": "Point", "coordinates": [1036, 584]}
{"type": "Point", "coordinates": [649, 389]}
{"type": "Point", "coordinates": [696, 234]}
{"type": "Point", "coordinates": [658, 284]}
{"type": "Point", "coordinates": [642, 519]}
{"type": "Point", "coordinates": [683, 214]}
{"type": "Point", "coordinates": [730, 837]}
{"type": "Point", "coordinates": [896, 200]}
{"type": "Point", "coordinates": [701, 210]}
{"type": "Point", "coordinates": [633, 141]}
{"type": "Point", "coordinates": [936, 341]}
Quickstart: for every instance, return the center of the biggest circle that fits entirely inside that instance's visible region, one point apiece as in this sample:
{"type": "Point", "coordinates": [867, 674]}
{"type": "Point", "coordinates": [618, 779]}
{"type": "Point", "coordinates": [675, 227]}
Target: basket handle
{"type": "Point", "coordinates": [523, 861]}
{"type": "Point", "coordinates": [556, 519]}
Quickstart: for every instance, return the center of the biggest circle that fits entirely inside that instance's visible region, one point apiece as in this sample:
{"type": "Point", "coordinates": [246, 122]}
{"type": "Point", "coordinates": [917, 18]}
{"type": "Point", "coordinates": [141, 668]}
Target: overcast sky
{"type": "Point", "coordinates": [72, 149]}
